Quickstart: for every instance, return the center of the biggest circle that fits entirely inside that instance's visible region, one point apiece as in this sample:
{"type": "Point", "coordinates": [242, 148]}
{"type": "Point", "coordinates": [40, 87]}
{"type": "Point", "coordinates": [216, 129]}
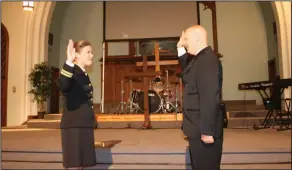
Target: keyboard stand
{"type": "Point", "coordinates": [275, 117]}
{"type": "Point", "coordinates": [283, 117]}
{"type": "Point", "coordinates": [269, 106]}
{"type": "Point", "coordinates": [273, 104]}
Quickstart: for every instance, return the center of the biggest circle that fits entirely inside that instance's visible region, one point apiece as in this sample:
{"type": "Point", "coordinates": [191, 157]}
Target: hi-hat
{"type": "Point", "coordinates": [170, 73]}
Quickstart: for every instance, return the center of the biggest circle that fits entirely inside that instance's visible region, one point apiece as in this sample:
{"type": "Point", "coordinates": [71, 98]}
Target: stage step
{"type": "Point", "coordinates": [244, 107]}
{"type": "Point", "coordinates": [245, 114]}
{"type": "Point", "coordinates": [245, 122]}
{"type": "Point", "coordinates": [42, 165]}
{"type": "Point", "coordinates": [248, 122]}
{"type": "Point", "coordinates": [239, 102]}
{"type": "Point", "coordinates": [231, 114]}
{"type": "Point", "coordinates": [131, 146]}
{"type": "Point", "coordinates": [236, 119]}
{"type": "Point", "coordinates": [109, 156]}
{"type": "Point", "coordinates": [55, 124]}
{"type": "Point", "coordinates": [107, 116]}
{"type": "Point", "coordinates": [42, 123]}
{"type": "Point", "coordinates": [52, 116]}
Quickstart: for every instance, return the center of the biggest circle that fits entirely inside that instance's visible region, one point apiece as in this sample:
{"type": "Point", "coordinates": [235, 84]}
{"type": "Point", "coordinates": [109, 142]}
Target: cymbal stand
{"type": "Point", "coordinates": [168, 106]}
{"type": "Point", "coordinates": [166, 80]}
{"type": "Point", "coordinates": [130, 105]}
{"type": "Point", "coordinates": [131, 89]}
{"type": "Point", "coordinates": [120, 108]}
{"type": "Point", "coordinates": [134, 107]}
{"type": "Point", "coordinates": [150, 85]}
{"type": "Point", "coordinates": [176, 98]}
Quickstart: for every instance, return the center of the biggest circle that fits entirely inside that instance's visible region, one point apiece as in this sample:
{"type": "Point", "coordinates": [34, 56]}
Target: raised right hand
{"type": "Point", "coordinates": [70, 51]}
{"type": "Point", "coordinates": [181, 42]}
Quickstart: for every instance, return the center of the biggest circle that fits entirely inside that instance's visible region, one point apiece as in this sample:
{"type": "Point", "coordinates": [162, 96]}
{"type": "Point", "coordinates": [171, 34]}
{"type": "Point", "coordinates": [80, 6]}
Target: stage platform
{"type": "Point", "coordinates": [240, 114]}
{"type": "Point", "coordinates": [151, 149]}
{"type": "Point", "coordinates": [236, 119]}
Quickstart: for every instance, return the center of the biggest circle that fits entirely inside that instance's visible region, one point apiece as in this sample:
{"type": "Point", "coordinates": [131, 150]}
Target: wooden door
{"type": "Point", "coordinates": [4, 73]}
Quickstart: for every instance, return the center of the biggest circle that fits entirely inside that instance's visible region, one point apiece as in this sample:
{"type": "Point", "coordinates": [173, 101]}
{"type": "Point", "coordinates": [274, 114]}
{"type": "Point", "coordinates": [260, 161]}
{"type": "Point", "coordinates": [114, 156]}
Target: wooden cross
{"type": "Point", "coordinates": [157, 57]}
{"type": "Point", "coordinates": [147, 122]}
{"type": "Point", "coordinates": [145, 74]}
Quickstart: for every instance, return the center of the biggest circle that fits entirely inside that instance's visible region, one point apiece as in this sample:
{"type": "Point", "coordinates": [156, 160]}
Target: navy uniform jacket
{"type": "Point", "coordinates": [201, 103]}
{"type": "Point", "coordinates": [76, 87]}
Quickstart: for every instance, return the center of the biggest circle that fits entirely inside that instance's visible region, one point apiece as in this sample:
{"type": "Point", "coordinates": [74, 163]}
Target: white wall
{"type": "Point", "coordinates": [14, 20]}
{"type": "Point", "coordinates": [84, 21]}
{"type": "Point", "coordinates": [242, 41]}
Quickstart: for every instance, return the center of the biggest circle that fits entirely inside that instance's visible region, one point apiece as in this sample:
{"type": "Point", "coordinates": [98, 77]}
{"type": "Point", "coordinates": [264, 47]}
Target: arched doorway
{"type": "Point", "coordinates": [4, 73]}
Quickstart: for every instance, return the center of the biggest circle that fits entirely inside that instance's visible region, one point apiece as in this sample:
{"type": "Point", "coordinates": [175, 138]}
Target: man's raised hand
{"type": "Point", "coordinates": [181, 42]}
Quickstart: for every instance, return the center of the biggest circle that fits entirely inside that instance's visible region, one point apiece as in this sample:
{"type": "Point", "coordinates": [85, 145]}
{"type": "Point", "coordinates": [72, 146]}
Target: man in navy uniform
{"type": "Point", "coordinates": [202, 118]}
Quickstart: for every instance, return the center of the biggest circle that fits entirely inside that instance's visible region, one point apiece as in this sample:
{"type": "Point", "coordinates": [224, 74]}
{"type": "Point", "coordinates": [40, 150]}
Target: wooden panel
{"type": "Point", "coordinates": [153, 63]}
{"type": "Point", "coordinates": [114, 73]}
{"type": "Point", "coordinates": [142, 74]}
{"type": "Point", "coordinates": [133, 59]}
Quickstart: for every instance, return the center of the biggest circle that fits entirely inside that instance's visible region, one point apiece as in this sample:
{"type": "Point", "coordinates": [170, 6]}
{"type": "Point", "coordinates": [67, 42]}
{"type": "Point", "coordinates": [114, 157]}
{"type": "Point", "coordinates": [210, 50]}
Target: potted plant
{"type": "Point", "coordinates": [41, 81]}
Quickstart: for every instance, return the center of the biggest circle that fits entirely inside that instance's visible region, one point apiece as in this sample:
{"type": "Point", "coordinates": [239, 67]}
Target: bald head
{"type": "Point", "coordinates": [196, 38]}
{"type": "Point", "coordinates": [197, 32]}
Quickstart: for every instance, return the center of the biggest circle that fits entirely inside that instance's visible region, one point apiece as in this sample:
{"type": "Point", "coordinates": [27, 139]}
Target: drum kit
{"type": "Point", "coordinates": [160, 97]}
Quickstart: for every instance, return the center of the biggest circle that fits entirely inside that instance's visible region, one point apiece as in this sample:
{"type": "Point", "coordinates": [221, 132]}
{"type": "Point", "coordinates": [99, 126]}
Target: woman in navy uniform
{"type": "Point", "coordinates": [78, 119]}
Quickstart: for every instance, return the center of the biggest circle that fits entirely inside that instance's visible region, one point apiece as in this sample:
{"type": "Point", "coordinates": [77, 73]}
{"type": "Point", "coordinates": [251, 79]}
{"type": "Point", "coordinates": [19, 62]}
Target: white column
{"type": "Point", "coordinates": [282, 12]}
{"type": "Point", "coordinates": [37, 30]}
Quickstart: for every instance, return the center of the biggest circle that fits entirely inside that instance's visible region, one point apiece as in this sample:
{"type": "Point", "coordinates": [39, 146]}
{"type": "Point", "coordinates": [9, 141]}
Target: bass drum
{"type": "Point", "coordinates": [154, 100]}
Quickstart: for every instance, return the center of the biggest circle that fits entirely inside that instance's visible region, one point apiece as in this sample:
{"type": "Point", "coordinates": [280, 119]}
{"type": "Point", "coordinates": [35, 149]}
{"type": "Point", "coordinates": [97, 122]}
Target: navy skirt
{"type": "Point", "coordinates": [78, 147]}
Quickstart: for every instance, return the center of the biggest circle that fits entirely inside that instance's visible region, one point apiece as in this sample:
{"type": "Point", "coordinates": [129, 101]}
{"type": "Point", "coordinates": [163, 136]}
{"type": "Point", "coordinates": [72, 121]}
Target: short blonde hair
{"type": "Point", "coordinates": [81, 44]}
